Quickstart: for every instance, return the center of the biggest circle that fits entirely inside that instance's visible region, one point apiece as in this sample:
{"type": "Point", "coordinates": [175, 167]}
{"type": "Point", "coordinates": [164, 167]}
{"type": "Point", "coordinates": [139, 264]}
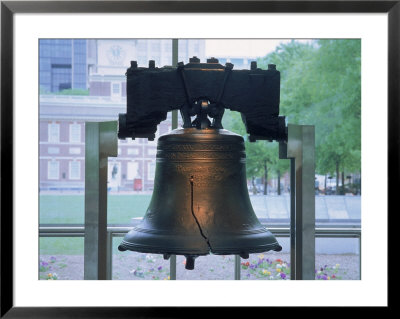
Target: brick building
{"type": "Point", "coordinates": [63, 117]}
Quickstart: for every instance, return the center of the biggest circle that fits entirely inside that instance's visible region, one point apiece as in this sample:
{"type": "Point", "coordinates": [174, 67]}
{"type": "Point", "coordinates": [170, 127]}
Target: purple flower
{"type": "Point", "coordinates": [44, 263]}
{"type": "Point", "coordinates": [252, 266]}
{"type": "Point", "coordinates": [283, 275]}
{"type": "Point", "coordinates": [324, 277]}
{"type": "Point", "coordinates": [248, 275]}
{"type": "Point", "coordinates": [159, 268]}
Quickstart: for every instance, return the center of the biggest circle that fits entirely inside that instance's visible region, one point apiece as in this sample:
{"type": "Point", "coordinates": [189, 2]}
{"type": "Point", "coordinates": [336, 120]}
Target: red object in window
{"type": "Point", "coordinates": [137, 184]}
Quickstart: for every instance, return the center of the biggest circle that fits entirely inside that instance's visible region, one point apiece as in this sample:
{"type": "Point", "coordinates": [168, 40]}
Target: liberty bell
{"type": "Point", "coordinates": [200, 202]}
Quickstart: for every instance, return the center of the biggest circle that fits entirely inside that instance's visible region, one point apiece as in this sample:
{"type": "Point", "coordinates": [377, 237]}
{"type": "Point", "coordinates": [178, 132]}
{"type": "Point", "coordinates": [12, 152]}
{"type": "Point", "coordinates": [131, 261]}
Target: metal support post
{"type": "Point", "coordinates": [172, 267]}
{"type": "Point", "coordinates": [174, 125]}
{"type": "Point", "coordinates": [300, 148]}
{"type": "Point", "coordinates": [237, 267]}
{"type": "Point", "coordinates": [101, 142]}
{"type": "Point", "coordinates": [359, 254]}
{"type": "Point", "coordinates": [174, 63]}
{"type": "Point", "coordinates": [109, 255]}
{"type": "Point", "coordinates": [292, 219]}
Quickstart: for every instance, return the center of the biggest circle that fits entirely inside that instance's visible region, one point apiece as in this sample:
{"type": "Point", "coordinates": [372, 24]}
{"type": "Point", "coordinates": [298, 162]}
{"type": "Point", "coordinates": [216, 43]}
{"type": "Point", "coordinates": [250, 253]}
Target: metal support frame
{"type": "Point", "coordinates": [237, 267]}
{"type": "Point", "coordinates": [300, 149]}
{"type": "Point", "coordinates": [101, 142]}
{"type": "Point", "coordinates": [174, 125]}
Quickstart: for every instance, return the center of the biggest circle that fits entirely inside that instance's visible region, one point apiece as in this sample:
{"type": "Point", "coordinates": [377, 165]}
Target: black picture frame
{"type": "Point", "coordinates": [9, 8]}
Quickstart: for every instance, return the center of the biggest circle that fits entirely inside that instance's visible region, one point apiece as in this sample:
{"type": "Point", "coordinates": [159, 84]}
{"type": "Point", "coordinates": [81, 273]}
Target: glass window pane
{"type": "Point", "coordinates": [133, 151]}
{"type": "Point", "coordinates": [54, 132]}
{"type": "Point", "coordinates": [75, 170]}
{"type": "Point", "coordinates": [132, 170]}
{"type": "Point", "coordinates": [53, 150]}
{"type": "Point", "coordinates": [75, 150]}
{"type": "Point", "coordinates": [53, 171]}
{"type": "Point", "coordinates": [75, 133]}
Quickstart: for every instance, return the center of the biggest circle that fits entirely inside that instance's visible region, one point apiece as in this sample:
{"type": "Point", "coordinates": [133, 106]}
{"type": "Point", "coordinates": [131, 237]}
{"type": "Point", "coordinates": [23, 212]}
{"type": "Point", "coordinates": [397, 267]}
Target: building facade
{"type": "Point", "coordinates": [62, 144]}
{"type": "Point", "coordinates": [63, 117]}
{"type": "Point", "coordinates": [62, 64]}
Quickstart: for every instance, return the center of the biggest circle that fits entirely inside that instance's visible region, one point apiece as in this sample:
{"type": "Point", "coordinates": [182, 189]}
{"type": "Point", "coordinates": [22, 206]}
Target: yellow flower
{"type": "Point", "coordinates": [278, 270]}
{"type": "Point", "coordinates": [261, 256]}
{"type": "Point", "coordinates": [49, 275]}
{"type": "Point", "coordinates": [168, 278]}
{"type": "Point", "coordinates": [328, 278]}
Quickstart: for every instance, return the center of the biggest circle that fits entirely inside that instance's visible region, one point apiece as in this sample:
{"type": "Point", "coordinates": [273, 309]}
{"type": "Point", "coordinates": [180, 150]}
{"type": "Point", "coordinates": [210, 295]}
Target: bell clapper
{"type": "Point", "coordinates": [244, 255]}
{"type": "Point", "coordinates": [189, 265]}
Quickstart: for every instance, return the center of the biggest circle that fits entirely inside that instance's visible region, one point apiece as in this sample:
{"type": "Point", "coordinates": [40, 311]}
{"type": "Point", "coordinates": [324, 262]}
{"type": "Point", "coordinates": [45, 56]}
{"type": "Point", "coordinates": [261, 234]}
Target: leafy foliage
{"type": "Point", "coordinates": [43, 91]}
{"type": "Point", "coordinates": [320, 86]}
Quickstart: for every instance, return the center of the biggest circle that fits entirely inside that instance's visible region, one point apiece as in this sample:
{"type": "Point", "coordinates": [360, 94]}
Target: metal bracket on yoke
{"type": "Point", "coordinates": [101, 141]}
{"type": "Point", "coordinates": [196, 107]}
{"type": "Point", "coordinates": [300, 149]}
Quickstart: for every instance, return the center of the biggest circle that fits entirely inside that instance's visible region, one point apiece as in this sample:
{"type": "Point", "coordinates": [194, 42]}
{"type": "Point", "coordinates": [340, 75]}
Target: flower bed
{"type": "Point", "coordinates": [136, 266]}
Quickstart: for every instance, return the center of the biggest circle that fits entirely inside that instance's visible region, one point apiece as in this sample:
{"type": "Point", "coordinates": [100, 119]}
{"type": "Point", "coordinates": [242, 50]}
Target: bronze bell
{"type": "Point", "coordinates": [200, 203]}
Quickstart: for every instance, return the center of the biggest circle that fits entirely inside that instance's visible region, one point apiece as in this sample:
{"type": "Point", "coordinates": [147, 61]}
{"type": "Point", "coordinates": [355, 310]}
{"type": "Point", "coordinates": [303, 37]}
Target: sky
{"type": "Point", "coordinates": [242, 47]}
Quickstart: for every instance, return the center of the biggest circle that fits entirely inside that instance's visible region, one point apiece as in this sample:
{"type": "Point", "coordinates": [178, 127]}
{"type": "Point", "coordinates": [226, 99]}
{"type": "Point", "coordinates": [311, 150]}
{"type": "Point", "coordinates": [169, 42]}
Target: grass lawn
{"type": "Point", "coordinates": [69, 245]}
{"type": "Point", "coordinates": [69, 209]}
{"type": "Point", "coordinates": [61, 246]}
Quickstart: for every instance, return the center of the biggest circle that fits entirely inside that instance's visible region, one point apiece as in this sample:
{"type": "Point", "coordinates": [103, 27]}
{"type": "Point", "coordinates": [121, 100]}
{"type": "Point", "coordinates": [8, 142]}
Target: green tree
{"type": "Point", "coordinates": [262, 157]}
{"type": "Point", "coordinates": [321, 86]}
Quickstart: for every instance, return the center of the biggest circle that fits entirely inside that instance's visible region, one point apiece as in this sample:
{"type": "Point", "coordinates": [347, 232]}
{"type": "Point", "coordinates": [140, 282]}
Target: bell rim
{"type": "Point", "coordinates": [219, 251]}
{"type": "Point", "coordinates": [161, 250]}
{"type": "Point", "coordinates": [275, 246]}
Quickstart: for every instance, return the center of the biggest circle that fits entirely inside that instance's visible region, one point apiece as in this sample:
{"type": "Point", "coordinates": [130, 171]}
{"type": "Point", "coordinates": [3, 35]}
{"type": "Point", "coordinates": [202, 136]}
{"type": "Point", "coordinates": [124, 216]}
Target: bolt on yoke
{"type": "Point", "coordinates": [203, 91]}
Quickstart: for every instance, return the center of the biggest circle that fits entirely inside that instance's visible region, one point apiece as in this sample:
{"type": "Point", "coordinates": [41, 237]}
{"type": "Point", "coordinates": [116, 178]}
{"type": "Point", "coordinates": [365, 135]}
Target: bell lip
{"type": "Point", "coordinates": [251, 250]}
{"type": "Point", "coordinates": [161, 250]}
{"type": "Point", "coordinates": [124, 245]}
